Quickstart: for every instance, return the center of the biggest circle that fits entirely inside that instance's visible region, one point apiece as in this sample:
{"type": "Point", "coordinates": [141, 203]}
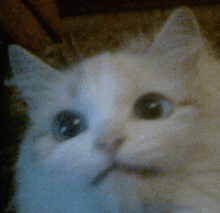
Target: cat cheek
{"type": "Point", "coordinates": [76, 154]}
{"type": "Point", "coordinates": [44, 147]}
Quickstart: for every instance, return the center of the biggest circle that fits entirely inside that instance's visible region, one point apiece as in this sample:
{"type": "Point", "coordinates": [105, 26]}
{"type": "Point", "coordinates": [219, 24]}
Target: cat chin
{"type": "Point", "coordinates": [138, 192]}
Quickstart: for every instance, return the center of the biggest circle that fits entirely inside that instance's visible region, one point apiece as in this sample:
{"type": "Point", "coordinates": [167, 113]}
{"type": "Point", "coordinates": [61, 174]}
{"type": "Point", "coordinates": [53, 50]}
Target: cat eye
{"type": "Point", "coordinates": [152, 106]}
{"type": "Point", "coordinates": [68, 124]}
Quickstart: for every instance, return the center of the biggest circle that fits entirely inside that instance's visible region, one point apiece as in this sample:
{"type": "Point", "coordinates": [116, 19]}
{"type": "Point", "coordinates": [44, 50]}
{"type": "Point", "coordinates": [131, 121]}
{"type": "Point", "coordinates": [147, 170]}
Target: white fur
{"type": "Point", "coordinates": [54, 176]}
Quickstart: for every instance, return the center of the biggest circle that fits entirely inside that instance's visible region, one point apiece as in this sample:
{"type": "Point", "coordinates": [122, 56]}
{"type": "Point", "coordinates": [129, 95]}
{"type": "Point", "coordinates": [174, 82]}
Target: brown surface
{"type": "Point", "coordinates": [93, 34]}
{"type": "Point", "coordinates": [22, 26]}
{"type": "Point", "coordinates": [91, 7]}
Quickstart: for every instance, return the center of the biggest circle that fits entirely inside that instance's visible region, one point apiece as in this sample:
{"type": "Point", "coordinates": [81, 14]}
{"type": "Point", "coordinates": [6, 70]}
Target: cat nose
{"type": "Point", "coordinates": [109, 146]}
{"type": "Point", "coordinates": [109, 143]}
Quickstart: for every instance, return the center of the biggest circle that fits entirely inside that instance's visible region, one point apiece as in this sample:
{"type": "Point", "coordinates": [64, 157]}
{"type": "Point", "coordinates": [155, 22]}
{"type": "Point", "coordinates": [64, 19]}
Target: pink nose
{"type": "Point", "coordinates": [109, 145]}
{"type": "Point", "coordinates": [110, 138]}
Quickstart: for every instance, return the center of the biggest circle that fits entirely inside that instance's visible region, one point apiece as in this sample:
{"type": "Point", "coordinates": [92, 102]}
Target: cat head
{"type": "Point", "coordinates": [137, 110]}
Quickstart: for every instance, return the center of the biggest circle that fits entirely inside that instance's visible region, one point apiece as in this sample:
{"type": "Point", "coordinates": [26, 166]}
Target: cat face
{"type": "Point", "coordinates": [112, 121]}
{"type": "Point", "coordinates": [114, 102]}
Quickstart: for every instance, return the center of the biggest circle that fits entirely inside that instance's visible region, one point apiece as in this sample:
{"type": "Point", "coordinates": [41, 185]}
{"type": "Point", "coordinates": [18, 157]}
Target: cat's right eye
{"type": "Point", "coordinates": [152, 106]}
{"type": "Point", "coordinates": [68, 124]}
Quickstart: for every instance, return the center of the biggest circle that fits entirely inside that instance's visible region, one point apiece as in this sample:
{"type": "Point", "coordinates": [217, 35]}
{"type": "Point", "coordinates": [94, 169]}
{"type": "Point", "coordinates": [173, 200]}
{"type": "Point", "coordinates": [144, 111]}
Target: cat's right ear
{"type": "Point", "coordinates": [30, 74]}
{"type": "Point", "coordinates": [23, 62]}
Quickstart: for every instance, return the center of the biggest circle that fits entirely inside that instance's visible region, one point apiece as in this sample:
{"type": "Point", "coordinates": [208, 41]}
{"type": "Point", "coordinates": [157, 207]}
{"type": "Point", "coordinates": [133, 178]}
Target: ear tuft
{"type": "Point", "coordinates": [180, 30]}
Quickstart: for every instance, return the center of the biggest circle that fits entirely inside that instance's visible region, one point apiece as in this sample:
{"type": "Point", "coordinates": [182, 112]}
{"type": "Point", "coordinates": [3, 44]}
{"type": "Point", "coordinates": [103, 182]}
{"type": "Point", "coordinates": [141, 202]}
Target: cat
{"type": "Point", "coordinates": [122, 131]}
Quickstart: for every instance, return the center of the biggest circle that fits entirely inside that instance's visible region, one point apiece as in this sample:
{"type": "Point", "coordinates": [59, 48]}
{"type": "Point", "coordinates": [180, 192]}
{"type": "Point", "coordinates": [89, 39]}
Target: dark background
{"type": "Point", "coordinates": [89, 7]}
{"type": "Point", "coordinates": [11, 126]}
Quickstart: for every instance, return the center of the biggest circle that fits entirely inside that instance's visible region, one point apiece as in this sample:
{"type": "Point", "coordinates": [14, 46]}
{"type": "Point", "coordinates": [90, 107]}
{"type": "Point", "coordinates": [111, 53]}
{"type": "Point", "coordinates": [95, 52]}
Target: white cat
{"type": "Point", "coordinates": [123, 131]}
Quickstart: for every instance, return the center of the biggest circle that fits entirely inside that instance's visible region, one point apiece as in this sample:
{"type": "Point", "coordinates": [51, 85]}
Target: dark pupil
{"type": "Point", "coordinates": [149, 107]}
{"type": "Point", "coordinates": [69, 124]}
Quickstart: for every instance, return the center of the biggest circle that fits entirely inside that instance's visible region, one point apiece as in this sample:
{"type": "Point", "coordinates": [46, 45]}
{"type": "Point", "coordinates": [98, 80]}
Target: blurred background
{"type": "Point", "coordinates": [90, 26]}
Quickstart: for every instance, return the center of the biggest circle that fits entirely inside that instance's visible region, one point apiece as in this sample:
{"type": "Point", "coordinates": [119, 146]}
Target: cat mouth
{"type": "Point", "coordinates": [130, 169]}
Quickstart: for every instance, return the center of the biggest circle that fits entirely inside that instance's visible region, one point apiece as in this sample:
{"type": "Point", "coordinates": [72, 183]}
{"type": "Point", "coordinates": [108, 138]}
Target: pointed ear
{"type": "Point", "coordinates": [180, 30]}
{"type": "Point", "coordinates": [30, 74]}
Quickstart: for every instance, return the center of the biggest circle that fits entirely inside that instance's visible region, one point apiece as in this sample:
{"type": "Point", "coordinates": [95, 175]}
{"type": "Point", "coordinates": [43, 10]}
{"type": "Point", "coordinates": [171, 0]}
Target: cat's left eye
{"type": "Point", "coordinates": [68, 124]}
{"type": "Point", "coordinates": [152, 106]}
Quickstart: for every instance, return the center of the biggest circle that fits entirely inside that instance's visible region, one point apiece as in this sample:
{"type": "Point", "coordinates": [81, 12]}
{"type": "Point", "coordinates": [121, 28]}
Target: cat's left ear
{"type": "Point", "coordinates": [180, 30]}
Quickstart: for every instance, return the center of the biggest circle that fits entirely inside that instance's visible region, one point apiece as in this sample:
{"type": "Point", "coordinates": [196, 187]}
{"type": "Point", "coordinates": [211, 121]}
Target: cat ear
{"type": "Point", "coordinates": [180, 30]}
{"type": "Point", "coordinates": [30, 74]}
